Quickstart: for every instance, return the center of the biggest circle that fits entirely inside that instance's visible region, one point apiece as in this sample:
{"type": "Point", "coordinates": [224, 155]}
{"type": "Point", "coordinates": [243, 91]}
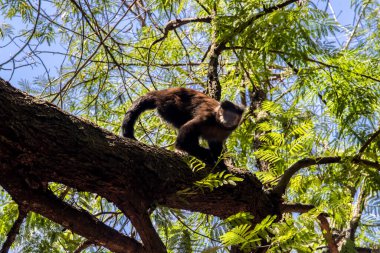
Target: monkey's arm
{"type": "Point", "coordinates": [188, 141]}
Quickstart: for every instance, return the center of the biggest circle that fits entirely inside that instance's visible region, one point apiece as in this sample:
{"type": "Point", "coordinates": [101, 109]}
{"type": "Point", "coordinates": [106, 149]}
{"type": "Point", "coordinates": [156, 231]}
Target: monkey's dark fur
{"type": "Point", "coordinates": [194, 114]}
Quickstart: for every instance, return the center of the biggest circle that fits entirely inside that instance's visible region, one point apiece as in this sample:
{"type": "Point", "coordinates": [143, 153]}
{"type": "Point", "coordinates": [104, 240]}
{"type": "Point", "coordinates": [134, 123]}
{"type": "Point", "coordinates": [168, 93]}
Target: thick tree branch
{"type": "Point", "coordinates": [11, 236]}
{"type": "Point", "coordinates": [91, 159]}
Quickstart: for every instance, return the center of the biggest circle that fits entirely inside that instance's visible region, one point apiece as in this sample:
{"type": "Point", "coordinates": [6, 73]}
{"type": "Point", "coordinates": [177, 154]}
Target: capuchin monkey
{"type": "Point", "coordinates": [194, 114]}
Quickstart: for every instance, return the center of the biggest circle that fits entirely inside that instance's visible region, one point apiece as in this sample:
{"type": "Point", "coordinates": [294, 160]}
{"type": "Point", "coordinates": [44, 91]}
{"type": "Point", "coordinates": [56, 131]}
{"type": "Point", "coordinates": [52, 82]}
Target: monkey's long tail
{"type": "Point", "coordinates": [142, 104]}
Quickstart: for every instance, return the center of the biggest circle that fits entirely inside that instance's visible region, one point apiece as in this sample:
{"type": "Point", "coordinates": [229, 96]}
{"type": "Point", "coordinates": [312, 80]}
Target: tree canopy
{"type": "Point", "coordinates": [303, 167]}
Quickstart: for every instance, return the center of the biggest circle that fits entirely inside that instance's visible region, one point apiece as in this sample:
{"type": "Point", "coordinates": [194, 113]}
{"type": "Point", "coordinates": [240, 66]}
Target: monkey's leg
{"type": "Point", "coordinates": [216, 149]}
{"type": "Point", "coordinates": [188, 141]}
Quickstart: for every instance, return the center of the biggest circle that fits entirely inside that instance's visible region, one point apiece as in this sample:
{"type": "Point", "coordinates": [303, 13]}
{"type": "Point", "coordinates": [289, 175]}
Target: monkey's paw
{"type": "Point", "coordinates": [180, 152]}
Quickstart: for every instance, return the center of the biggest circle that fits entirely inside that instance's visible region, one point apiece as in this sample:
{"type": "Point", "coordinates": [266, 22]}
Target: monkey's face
{"type": "Point", "coordinates": [229, 114]}
{"type": "Point", "coordinates": [227, 118]}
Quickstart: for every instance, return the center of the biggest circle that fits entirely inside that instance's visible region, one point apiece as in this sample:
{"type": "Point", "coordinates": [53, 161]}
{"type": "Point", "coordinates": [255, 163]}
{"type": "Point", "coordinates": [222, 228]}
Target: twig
{"type": "Point", "coordinates": [356, 26]}
{"type": "Point", "coordinates": [192, 230]}
{"type": "Point", "coordinates": [203, 7]}
{"type": "Point", "coordinates": [29, 39]}
{"type": "Point", "coordinates": [11, 236]}
{"type": "Point", "coordinates": [255, 17]}
{"type": "Point", "coordinates": [310, 60]}
{"type": "Point", "coordinates": [68, 83]}
{"type": "Point", "coordinates": [174, 24]}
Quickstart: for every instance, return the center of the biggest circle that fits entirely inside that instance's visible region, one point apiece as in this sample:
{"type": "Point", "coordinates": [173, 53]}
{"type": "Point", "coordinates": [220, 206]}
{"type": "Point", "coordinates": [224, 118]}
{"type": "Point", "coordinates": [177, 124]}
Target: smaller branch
{"type": "Point", "coordinates": [326, 231]}
{"type": "Point", "coordinates": [214, 88]}
{"type": "Point", "coordinates": [368, 142]}
{"type": "Point", "coordinates": [334, 67]}
{"type": "Point", "coordinates": [296, 208]}
{"type": "Point", "coordinates": [213, 83]}
{"type": "Point", "coordinates": [140, 219]}
{"type": "Point", "coordinates": [367, 163]}
{"type": "Point", "coordinates": [357, 213]}
{"type": "Point", "coordinates": [346, 31]}
{"type": "Point", "coordinates": [280, 188]}
{"type": "Point", "coordinates": [11, 236]}
{"type": "Point", "coordinates": [84, 245]}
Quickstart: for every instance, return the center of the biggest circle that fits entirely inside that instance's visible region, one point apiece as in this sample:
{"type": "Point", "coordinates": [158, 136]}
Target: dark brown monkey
{"type": "Point", "coordinates": [194, 114]}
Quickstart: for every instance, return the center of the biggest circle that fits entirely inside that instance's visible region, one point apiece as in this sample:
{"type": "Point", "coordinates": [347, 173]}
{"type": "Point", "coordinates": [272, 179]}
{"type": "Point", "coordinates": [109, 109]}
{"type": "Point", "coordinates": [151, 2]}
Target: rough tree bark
{"type": "Point", "coordinates": [39, 143]}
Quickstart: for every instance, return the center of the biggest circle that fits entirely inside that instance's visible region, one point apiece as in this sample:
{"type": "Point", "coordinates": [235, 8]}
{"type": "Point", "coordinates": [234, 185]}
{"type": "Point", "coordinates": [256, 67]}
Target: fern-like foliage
{"type": "Point", "coordinates": [239, 219]}
{"type": "Point", "coordinates": [286, 135]}
{"type": "Point", "coordinates": [246, 236]}
{"type": "Point", "coordinates": [295, 233]}
{"type": "Point", "coordinates": [195, 164]}
{"type": "Point", "coordinates": [215, 180]}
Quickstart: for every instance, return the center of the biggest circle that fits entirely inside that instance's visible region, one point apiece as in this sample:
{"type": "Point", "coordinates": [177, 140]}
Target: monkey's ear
{"type": "Point", "coordinates": [229, 106]}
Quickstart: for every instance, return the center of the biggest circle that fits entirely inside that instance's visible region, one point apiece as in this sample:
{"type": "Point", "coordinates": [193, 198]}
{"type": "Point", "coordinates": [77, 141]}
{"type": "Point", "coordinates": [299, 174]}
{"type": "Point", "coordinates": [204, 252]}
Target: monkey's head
{"type": "Point", "coordinates": [229, 114]}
